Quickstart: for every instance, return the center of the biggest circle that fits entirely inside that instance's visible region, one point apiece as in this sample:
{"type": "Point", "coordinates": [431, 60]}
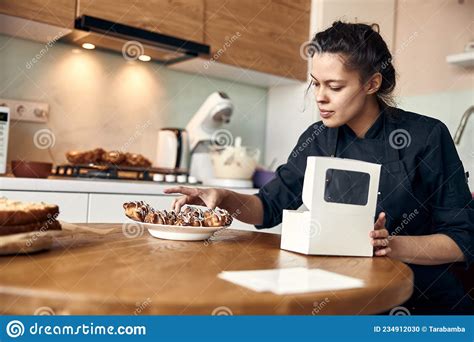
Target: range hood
{"type": "Point", "coordinates": [133, 42]}
{"type": "Point", "coordinates": [127, 40]}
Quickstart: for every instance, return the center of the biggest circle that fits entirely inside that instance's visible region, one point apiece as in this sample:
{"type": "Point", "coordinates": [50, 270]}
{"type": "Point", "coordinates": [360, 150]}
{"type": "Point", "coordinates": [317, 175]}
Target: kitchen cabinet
{"type": "Point", "coordinates": [58, 13]}
{"type": "Point", "coordinates": [180, 18]}
{"type": "Point", "coordinates": [260, 35]}
{"type": "Point", "coordinates": [382, 13]}
{"type": "Point", "coordinates": [256, 42]}
{"type": "Point", "coordinates": [72, 206]}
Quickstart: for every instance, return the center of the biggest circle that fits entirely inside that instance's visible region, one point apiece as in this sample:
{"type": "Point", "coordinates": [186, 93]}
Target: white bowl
{"type": "Point", "coordinates": [234, 163]}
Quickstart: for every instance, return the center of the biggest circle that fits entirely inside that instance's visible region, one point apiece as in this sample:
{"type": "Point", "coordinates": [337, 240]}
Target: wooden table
{"type": "Point", "coordinates": [96, 269]}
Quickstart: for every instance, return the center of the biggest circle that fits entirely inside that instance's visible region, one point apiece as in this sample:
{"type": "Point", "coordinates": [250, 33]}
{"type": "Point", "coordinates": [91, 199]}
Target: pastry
{"type": "Point", "coordinates": [190, 217]}
{"type": "Point", "coordinates": [22, 213]}
{"type": "Point", "coordinates": [172, 217]}
{"type": "Point", "coordinates": [217, 218]}
{"type": "Point", "coordinates": [151, 217]}
{"type": "Point", "coordinates": [137, 210]}
{"type": "Point", "coordinates": [85, 157]}
{"type": "Point", "coordinates": [137, 160]}
{"type": "Point", "coordinates": [113, 157]}
{"type": "Point", "coordinates": [160, 217]}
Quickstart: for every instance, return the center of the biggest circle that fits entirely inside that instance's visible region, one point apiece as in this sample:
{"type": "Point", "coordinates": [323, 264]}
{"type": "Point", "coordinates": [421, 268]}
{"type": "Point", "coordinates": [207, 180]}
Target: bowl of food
{"type": "Point", "coordinates": [234, 162]}
{"type": "Point", "coordinates": [31, 169]}
{"type": "Point", "coordinates": [190, 224]}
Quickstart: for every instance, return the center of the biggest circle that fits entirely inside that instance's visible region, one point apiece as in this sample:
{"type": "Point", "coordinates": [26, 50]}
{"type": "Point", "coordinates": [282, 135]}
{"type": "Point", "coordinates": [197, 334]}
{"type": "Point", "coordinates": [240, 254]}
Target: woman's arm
{"type": "Point", "coordinates": [264, 209]}
{"type": "Point", "coordinates": [432, 249]}
{"type": "Point", "coordinates": [245, 208]}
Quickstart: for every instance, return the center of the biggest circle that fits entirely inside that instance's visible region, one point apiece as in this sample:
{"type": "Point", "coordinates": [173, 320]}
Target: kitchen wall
{"type": "Point", "coordinates": [425, 33]}
{"type": "Point", "coordinates": [99, 99]}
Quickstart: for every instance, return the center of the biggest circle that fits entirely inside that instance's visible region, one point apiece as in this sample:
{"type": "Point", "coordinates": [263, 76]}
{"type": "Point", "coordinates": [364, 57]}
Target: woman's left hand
{"type": "Point", "coordinates": [379, 237]}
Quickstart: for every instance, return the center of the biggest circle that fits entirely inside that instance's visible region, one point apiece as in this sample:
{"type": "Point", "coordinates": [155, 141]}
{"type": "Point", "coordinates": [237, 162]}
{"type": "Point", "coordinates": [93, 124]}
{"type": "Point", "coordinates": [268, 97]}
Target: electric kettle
{"type": "Point", "coordinates": [173, 149]}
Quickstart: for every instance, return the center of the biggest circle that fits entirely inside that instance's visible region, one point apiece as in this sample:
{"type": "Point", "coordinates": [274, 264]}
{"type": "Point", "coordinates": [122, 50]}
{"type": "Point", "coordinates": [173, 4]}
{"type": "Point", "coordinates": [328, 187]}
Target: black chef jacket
{"type": "Point", "coordinates": [423, 190]}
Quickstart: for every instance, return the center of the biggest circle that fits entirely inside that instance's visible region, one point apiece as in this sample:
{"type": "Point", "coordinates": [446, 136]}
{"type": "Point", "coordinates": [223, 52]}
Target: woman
{"type": "Point", "coordinates": [424, 208]}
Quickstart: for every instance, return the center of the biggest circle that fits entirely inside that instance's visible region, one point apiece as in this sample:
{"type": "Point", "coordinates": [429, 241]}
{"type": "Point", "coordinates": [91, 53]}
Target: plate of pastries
{"type": "Point", "coordinates": [190, 224]}
{"type": "Point", "coordinates": [27, 227]}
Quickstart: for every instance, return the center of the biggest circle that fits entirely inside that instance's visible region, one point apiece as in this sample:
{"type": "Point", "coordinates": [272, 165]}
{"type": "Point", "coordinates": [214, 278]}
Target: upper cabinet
{"type": "Point", "coordinates": [254, 38]}
{"type": "Point", "coordinates": [58, 12]}
{"type": "Point", "coordinates": [261, 35]}
{"type": "Point", "coordinates": [180, 18]}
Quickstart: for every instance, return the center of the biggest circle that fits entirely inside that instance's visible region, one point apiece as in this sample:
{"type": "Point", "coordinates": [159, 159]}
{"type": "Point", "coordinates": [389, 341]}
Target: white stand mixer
{"type": "Point", "coordinates": [213, 113]}
{"type": "Point", "coordinates": [203, 130]}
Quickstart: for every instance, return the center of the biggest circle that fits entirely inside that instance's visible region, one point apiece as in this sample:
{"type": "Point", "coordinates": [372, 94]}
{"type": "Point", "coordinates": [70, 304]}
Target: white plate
{"type": "Point", "coordinates": [182, 233]}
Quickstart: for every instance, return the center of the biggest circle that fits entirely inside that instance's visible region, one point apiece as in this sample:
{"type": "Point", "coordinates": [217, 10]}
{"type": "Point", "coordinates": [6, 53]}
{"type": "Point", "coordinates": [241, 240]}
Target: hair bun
{"type": "Point", "coordinates": [375, 27]}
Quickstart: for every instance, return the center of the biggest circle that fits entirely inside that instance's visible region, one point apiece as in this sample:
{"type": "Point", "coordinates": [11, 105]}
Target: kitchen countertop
{"type": "Point", "coordinates": [91, 185]}
{"type": "Point", "coordinates": [98, 269]}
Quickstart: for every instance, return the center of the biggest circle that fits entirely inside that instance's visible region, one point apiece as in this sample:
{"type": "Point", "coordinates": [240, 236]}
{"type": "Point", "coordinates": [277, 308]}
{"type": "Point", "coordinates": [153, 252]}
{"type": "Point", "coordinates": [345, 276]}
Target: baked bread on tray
{"type": "Point", "coordinates": [189, 216]}
{"type": "Point", "coordinates": [100, 156]}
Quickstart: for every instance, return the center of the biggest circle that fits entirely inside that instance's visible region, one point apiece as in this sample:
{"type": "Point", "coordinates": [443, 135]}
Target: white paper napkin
{"type": "Point", "coordinates": [291, 280]}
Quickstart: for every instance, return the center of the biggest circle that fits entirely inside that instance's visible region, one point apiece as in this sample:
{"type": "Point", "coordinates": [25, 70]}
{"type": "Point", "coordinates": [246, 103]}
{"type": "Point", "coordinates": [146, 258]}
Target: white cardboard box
{"type": "Point", "coordinates": [332, 228]}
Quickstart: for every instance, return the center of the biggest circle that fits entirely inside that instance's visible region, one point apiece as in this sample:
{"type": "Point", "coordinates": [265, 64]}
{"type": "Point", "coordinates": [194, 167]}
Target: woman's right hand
{"type": "Point", "coordinates": [210, 197]}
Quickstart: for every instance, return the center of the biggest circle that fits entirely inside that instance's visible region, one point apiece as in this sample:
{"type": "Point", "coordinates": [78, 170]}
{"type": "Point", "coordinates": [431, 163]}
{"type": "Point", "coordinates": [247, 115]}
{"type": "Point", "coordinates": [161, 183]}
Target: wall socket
{"type": "Point", "coordinates": [30, 111]}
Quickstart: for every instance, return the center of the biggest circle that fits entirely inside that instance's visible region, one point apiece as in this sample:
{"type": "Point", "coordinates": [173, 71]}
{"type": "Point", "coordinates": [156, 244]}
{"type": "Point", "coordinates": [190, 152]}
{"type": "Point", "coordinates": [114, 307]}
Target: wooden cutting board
{"type": "Point", "coordinates": [32, 242]}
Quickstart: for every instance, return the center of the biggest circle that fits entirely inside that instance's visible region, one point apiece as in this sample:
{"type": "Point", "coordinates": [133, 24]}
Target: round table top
{"type": "Point", "coordinates": [97, 269]}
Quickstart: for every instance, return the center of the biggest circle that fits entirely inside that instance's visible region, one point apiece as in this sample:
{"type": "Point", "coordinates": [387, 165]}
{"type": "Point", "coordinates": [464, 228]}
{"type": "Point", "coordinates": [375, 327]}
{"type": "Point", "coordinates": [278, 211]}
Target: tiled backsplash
{"type": "Point", "coordinates": [99, 99]}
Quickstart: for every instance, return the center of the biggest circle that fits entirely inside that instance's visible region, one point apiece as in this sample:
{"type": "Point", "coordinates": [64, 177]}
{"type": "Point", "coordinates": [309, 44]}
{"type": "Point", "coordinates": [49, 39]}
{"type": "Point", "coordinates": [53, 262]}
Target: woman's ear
{"type": "Point", "coordinates": [374, 83]}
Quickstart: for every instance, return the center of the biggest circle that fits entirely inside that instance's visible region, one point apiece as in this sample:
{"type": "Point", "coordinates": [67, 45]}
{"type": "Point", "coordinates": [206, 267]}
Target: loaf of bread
{"type": "Point", "coordinates": [85, 157]}
{"type": "Point", "coordinates": [189, 216]}
{"type": "Point", "coordinates": [31, 227]}
{"type": "Point", "coordinates": [20, 213]}
{"type": "Point", "coordinates": [21, 217]}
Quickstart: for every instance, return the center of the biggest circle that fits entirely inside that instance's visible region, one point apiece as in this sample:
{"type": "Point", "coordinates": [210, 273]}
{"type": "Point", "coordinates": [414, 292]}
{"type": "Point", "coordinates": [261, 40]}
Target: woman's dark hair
{"type": "Point", "coordinates": [363, 49]}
